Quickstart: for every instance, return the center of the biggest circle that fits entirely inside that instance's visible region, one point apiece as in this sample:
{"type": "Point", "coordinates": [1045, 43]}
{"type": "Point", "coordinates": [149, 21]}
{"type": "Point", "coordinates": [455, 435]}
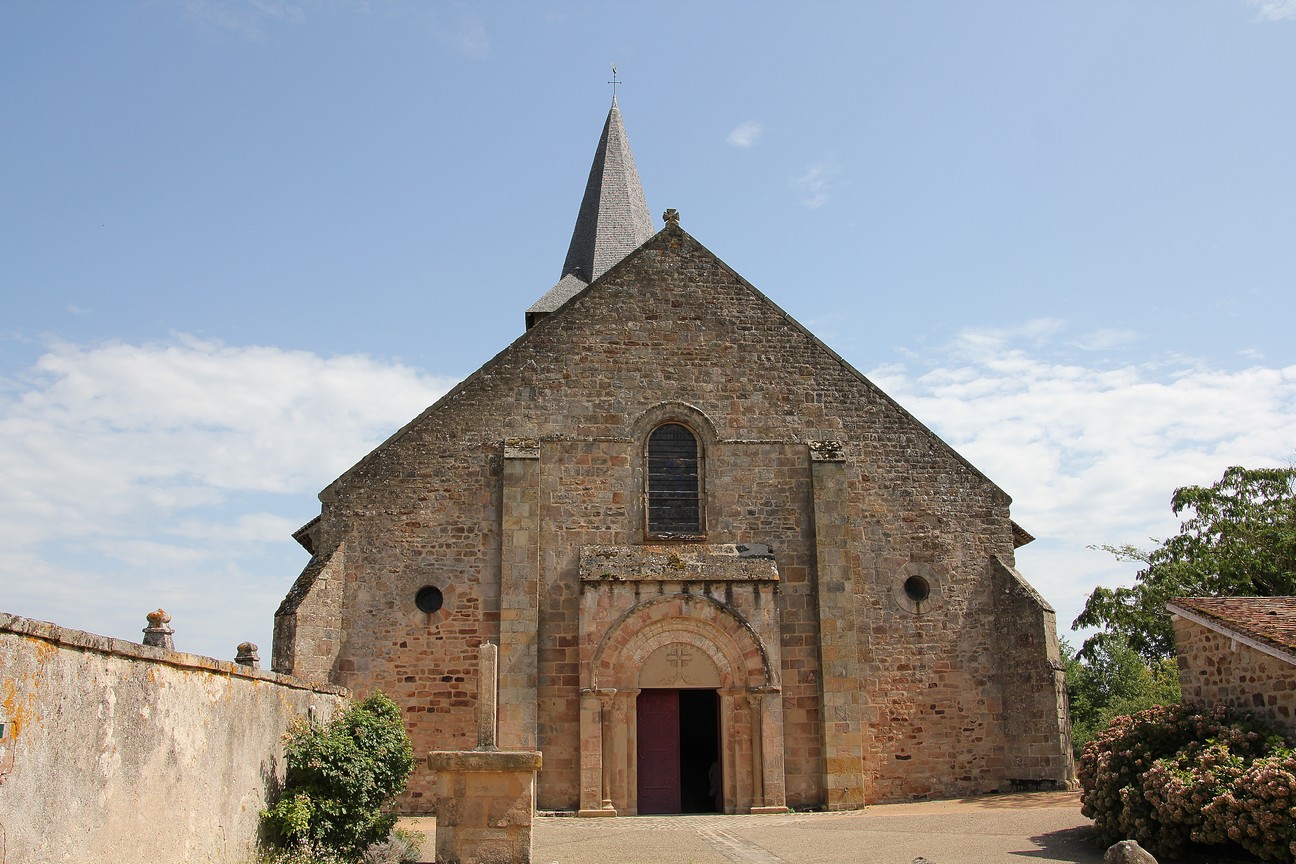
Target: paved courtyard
{"type": "Point", "coordinates": [1041, 826]}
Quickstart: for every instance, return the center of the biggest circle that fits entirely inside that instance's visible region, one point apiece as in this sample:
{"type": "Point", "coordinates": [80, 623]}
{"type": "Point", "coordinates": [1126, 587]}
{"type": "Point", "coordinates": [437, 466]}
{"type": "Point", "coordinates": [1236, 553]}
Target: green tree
{"type": "Point", "coordinates": [1114, 681]}
{"type": "Point", "coordinates": [340, 778]}
{"type": "Point", "coordinates": [1238, 539]}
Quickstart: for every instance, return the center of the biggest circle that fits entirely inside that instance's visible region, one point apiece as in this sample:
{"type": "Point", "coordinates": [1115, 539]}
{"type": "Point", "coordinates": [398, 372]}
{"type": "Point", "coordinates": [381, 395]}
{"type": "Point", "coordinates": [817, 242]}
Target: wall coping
{"type": "Point", "coordinates": [80, 640]}
{"type": "Point", "coordinates": [485, 761]}
{"type": "Point", "coordinates": [1209, 624]}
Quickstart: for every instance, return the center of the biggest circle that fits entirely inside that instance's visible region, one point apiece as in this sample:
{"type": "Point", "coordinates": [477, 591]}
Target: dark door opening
{"type": "Point", "coordinates": [679, 751]}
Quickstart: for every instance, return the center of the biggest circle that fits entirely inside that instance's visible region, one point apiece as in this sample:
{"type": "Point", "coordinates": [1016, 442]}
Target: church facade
{"type": "Point", "coordinates": [725, 572]}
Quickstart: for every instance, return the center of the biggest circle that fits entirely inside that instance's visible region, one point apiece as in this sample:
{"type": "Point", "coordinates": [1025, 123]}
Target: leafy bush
{"type": "Point", "coordinates": [1112, 681]}
{"type": "Point", "coordinates": [1153, 776]}
{"type": "Point", "coordinates": [340, 777]}
{"type": "Point", "coordinates": [300, 852]}
{"type": "Point", "coordinates": [402, 847]}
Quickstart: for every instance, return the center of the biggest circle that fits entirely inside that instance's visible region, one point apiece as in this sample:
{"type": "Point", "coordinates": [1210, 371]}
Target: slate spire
{"type": "Point", "coordinates": [612, 222]}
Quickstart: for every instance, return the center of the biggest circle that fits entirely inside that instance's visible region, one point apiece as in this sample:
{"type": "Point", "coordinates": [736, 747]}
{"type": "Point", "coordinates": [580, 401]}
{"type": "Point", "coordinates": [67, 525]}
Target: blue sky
{"type": "Point", "coordinates": [242, 241]}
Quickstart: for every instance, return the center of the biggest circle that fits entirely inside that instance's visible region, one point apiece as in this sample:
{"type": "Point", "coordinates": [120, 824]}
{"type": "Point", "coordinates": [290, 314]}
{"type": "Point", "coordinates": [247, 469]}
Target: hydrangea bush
{"type": "Point", "coordinates": [1174, 775]}
{"type": "Point", "coordinates": [1256, 812]}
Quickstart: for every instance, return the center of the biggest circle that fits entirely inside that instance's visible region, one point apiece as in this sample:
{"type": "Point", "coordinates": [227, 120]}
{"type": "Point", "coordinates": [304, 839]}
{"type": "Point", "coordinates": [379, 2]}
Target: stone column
{"type": "Point", "coordinates": [758, 764]}
{"type": "Point", "coordinates": [519, 595]}
{"type": "Point", "coordinates": [591, 755]}
{"type": "Point", "coordinates": [487, 695]}
{"type": "Point", "coordinates": [839, 692]}
{"type": "Point", "coordinates": [607, 700]}
{"type": "Point", "coordinates": [767, 731]}
{"type": "Point", "coordinates": [628, 752]}
{"type": "Point", "coordinates": [737, 775]}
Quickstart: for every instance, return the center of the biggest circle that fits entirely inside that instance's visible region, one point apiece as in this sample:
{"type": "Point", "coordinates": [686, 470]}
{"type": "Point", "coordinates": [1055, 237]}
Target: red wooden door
{"type": "Point", "coordinates": [659, 751]}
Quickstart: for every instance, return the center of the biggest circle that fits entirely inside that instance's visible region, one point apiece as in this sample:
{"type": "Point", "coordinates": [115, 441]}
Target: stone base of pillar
{"type": "Point", "coordinates": [485, 804]}
{"type": "Point", "coordinates": [594, 814]}
{"type": "Point", "coordinates": [766, 810]}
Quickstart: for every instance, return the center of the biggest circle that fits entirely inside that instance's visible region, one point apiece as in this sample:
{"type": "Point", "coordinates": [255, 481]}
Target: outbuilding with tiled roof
{"type": "Point", "coordinates": [1239, 651]}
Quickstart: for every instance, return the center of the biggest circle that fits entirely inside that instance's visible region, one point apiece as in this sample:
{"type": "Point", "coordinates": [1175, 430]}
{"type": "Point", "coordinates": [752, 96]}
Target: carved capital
{"type": "Point", "coordinates": [521, 448]}
{"type": "Point", "coordinates": [826, 451]}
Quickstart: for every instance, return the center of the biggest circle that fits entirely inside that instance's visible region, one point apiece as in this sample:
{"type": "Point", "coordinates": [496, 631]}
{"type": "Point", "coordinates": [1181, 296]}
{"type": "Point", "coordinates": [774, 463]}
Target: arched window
{"type": "Point", "coordinates": [674, 481]}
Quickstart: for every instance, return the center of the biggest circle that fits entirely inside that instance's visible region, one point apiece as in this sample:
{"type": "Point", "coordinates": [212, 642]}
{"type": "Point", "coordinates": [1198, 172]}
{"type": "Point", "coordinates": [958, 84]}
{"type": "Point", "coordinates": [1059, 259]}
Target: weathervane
{"type": "Point", "coordinates": [614, 82]}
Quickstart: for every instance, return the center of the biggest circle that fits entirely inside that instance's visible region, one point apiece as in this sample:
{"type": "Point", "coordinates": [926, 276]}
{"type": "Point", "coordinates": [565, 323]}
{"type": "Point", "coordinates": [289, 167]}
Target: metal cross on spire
{"type": "Point", "coordinates": [614, 82]}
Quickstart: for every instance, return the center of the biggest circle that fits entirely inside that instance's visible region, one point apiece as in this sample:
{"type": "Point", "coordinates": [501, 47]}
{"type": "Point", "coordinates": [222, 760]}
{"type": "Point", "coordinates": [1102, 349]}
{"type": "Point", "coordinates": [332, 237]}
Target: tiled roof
{"type": "Point", "coordinates": [1268, 620]}
{"type": "Point", "coordinates": [613, 220]}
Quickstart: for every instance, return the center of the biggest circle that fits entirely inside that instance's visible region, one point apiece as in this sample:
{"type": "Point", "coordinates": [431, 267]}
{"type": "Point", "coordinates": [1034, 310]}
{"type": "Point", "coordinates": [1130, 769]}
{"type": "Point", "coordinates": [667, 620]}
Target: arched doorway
{"type": "Point", "coordinates": [694, 674]}
{"type": "Point", "coordinates": [679, 767]}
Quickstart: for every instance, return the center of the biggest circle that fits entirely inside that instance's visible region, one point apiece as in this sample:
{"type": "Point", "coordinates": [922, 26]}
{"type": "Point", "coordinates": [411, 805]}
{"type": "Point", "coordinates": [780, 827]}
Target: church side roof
{"type": "Point", "coordinates": [612, 222]}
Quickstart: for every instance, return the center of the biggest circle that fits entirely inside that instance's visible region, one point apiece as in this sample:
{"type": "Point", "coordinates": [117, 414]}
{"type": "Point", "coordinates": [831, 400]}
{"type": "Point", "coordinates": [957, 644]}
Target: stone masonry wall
{"type": "Point", "coordinates": [127, 753]}
{"type": "Point", "coordinates": [1213, 669]}
{"type": "Point", "coordinates": [672, 333]}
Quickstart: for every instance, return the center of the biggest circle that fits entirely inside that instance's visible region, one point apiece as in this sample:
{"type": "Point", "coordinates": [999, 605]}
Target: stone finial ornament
{"type": "Point", "coordinates": [247, 655]}
{"type": "Point", "coordinates": [158, 634]}
{"type": "Point", "coordinates": [671, 216]}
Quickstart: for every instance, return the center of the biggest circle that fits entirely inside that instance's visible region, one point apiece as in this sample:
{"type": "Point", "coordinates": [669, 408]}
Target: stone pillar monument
{"type": "Point", "coordinates": [485, 797]}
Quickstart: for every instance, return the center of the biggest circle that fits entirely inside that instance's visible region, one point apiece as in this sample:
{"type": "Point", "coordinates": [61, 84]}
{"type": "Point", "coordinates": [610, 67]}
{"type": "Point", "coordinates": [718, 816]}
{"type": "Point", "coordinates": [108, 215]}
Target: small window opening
{"type": "Point", "coordinates": [917, 589]}
{"type": "Point", "coordinates": [673, 481]}
{"type": "Point", "coordinates": [429, 599]}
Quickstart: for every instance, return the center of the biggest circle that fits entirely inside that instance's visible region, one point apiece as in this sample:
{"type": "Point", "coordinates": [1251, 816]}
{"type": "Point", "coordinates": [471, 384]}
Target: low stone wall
{"type": "Point", "coordinates": [115, 751]}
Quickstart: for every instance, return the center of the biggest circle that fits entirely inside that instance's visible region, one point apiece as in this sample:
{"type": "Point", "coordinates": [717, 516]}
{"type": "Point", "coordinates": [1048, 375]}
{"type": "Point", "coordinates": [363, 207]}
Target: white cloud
{"type": "Point", "coordinates": [247, 19]}
{"type": "Point", "coordinates": [1274, 10]}
{"type": "Point", "coordinates": [1105, 339]}
{"type": "Point", "coordinates": [745, 134]}
{"type": "Point", "coordinates": [815, 184]}
{"type": "Point", "coordinates": [468, 37]}
{"type": "Point", "coordinates": [155, 471]}
{"type": "Point", "coordinates": [1091, 456]}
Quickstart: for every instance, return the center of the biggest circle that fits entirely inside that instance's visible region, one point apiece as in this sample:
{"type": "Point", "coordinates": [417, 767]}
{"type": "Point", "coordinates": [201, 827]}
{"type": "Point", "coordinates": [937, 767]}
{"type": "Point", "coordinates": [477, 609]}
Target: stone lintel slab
{"type": "Point", "coordinates": [484, 761]}
{"type": "Point", "coordinates": [521, 448]}
{"type": "Point", "coordinates": [719, 562]}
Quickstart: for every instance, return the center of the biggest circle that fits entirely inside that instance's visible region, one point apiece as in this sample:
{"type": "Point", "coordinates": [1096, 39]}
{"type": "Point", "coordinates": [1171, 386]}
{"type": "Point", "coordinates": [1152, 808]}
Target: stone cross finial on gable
{"type": "Point", "coordinates": [671, 216]}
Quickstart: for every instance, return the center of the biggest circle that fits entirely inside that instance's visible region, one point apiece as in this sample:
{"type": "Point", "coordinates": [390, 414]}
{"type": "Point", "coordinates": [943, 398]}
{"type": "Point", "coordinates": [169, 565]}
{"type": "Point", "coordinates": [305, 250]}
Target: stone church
{"type": "Point", "coordinates": [725, 572]}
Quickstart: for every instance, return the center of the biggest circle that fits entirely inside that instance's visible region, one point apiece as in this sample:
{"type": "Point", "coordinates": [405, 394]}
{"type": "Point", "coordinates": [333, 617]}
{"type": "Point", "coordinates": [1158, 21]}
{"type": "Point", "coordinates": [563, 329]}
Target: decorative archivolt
{"type": "Point", "coordinates": [698, 621]}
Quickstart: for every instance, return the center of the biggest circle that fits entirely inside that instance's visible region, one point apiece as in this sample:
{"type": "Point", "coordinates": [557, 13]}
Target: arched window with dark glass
{"type": "Point", "coordinates": [674, 481]}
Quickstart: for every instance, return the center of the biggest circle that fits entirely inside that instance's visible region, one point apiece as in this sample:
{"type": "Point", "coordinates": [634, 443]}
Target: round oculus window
{"type": "Point", "coordinates": [917, 589]}
{"type": "Point", "coordinates": [429, 599]}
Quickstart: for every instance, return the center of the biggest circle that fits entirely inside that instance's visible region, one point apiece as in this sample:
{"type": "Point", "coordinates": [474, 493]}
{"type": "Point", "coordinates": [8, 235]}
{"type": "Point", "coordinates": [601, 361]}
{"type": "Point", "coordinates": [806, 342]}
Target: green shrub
{"type": "Point", "coordinates": [1153, 776]}
{"type": "Point", "coordinates": [1113, 681]}
{"type": "Point", "coordinates": [340, 777]}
